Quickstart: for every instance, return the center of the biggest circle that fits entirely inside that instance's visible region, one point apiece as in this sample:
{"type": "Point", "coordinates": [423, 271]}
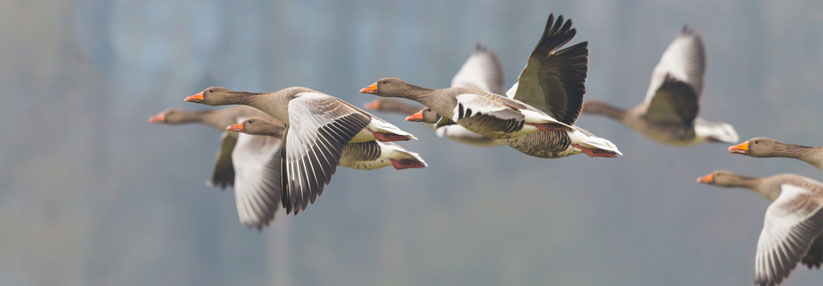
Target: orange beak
{"type": "Point", "coordinates": [742, 148]}
{"type": "Point", "coordinates": [417, 117]}
{"type": "Point", "coordinates": [373, 105]}
{"type": "Point", "coordinates": [706, 179]}
{"type": "Point", "coordinates": [160, 117]}
{"type": "Point", "coordinates": [196, 98]}
{"type": "Point", "coordinates": [372, 89]}
{"type": "Point", "coordinates": [237, 127]}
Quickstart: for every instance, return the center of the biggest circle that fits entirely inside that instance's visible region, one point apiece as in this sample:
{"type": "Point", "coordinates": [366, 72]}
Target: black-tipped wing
{"type": "Point", "coordinates": [223, 174]}
{"type": "Point", "coordinates": [674, 103]}
{"type": "Point", "coordinates": [793, 221]}
{"type": "Point", "coordinates": [319, 127]}
{"type": "Point", "coordinates": [814, 257]}
{"type": "Point", "coordinates": [554, 80]}
{"type": "Point", "coordinates": [481, 71]}
{"type": "Point", "coordinates": [257, 187]}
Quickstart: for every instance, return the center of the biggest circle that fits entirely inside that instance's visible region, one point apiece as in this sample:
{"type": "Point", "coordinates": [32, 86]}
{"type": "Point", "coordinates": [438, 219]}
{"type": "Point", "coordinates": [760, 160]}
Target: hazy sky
{"type": "Point", "coordinates": [91, 194]}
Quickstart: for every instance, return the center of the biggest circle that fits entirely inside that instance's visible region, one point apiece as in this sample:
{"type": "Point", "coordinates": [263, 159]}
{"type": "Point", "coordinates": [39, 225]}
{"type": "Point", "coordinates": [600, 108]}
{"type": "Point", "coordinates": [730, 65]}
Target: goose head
{"type": "Point", "coordinates": [390, 87]}
{"type": "Point", "coordinates": [723, 178]}
{"type": "Point", "coordinates": [425, 115]}
{"type": "Point", "coordinates": [217, 95]}
{"type": "Point", "coordinates": [173, 116]}
{"type": "Point", "coordinates": [757, 147]}
{"type": "Point", "coordinates": [257, 126]}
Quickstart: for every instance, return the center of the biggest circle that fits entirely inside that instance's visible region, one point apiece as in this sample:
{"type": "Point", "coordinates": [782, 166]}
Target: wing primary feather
{"type": "Point", "coordinates": [327, 165]}
{"type": "Point", "coordinates": [297, 187]}
{"type": "Point", "coordinates": [305, 188]}
{"type": "Point", "coordinates": [314, 181]}
{"type": "Point", "coordinates": [284, 176]}
{"type": "Point", "coordinates": [555, 34]}
{"type": "Point", "coordinates": [327, 125]}
{"type": "Point", "coordinates": [554, 80]}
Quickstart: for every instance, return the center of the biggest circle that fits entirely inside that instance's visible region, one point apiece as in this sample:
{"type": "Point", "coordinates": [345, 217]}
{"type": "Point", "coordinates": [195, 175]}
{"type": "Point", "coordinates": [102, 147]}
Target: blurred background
{"type": "Point", "coordinates": [91, 194]}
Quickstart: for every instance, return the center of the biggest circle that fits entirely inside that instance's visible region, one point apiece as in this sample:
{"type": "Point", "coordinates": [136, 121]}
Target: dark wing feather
{"type": "Point", "coordinates": [443, 122]}
{"type": "Point", "coordinates": [814, 257]}
{"type": "Point", "coordinates": [285, 199]}
{"type": "Point", "coordinates": [675, 102]}
{"type": "Point", "coordinates": [554, 81]}
{"type": "Point", "coordinates": [223, 174]}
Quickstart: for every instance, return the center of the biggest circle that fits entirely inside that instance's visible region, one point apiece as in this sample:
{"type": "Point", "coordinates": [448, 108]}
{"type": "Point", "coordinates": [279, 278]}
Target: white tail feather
{"type": "Point", "coordinates": [586, 138]}
{"type": "Point", "coordinates": [718, 131]}
{"type": "Point", "coordinates": [381, 125]}
{"type": "Point", "coordinates": [418, 158]}
{"type": "Point", "coordinates": [388, 147]}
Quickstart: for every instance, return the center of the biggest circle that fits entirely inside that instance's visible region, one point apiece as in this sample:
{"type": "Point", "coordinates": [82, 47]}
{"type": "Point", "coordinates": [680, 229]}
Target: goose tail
{"type": "Point", "coordinates": [599, 147]}
{"type": "Point", "coordinates": [715, 131]}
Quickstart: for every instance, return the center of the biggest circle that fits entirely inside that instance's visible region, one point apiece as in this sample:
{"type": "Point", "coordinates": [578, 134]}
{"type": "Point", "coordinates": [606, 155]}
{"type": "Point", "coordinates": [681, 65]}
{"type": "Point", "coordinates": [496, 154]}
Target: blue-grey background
{"type": "Point", "coordinates": [91, 194]}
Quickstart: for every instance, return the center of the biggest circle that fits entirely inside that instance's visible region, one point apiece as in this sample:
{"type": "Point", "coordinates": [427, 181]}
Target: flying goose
{"type": "Point", "coordinates": [318, 126]}
{"type": "Point", "coordinates": [249, 163]}
{"type": "Point", "coordinates": [482, 70]}
{"type": "Point", "coordinates": [479, 111]}
{"type": "Point", "coordinates": [362, 156]}
{"type": "Point", "coordinates": [793, 224]}
{"type": "Point", "coordinates": [482, 112]}
{"type": "Point", "coordinates": [553, 82]}
{"type": "Point", "coordinates": [762, 147]}
{"type": "Point", "coordinates": [669, 113]}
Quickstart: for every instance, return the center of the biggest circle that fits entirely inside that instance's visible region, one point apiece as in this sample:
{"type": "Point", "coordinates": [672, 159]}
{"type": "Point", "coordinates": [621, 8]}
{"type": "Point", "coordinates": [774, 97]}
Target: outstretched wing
{"type": "Point", "coordinates": [793, 221]}
{"type": "Point", "coordinates": [257, 187]}
{"type": "Point", "coordinates": [481, 71]}
{"type": "Point", "coordinates": [319, 126]}
{"type": "Point", "coordinates": [554, 81]}
{"type": "Point", "coordinates": [684, 60]}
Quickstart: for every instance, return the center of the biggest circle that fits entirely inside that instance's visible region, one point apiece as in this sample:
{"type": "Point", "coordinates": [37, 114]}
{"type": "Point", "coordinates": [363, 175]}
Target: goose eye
{"type": "Point", "coordinates": [250, 121]}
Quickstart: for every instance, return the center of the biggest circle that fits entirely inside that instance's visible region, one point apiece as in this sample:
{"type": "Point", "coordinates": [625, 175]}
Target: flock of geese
{"type": "Point", "coordinates": [281, 148]}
